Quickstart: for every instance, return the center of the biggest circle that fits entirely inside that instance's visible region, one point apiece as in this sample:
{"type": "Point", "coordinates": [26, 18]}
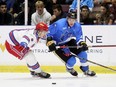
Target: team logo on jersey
{"type": "Point", "coordinates": [64, 28]}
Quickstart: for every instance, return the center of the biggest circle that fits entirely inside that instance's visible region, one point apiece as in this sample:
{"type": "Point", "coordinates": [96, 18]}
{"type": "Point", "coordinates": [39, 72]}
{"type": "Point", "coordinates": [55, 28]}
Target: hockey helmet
{"type": "Point", "coordinates": [41, 26]}
{"type": "Point", "coordinates": [72, 14]}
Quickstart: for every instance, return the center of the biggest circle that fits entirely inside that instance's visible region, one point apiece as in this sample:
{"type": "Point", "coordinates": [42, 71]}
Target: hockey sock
{"type": "Point", "coordinates": [32, 63]}
{"type": "Point", "coordinates": [84, 68]}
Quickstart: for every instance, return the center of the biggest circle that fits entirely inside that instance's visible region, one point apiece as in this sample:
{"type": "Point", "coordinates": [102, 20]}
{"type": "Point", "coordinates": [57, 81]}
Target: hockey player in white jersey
{"type": "Point", "coordinates": [21, 41]}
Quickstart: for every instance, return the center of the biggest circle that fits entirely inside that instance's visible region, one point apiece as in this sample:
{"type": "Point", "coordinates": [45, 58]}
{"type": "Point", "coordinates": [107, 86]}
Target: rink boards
{"type": "Point", "coordinates": [93, 35]}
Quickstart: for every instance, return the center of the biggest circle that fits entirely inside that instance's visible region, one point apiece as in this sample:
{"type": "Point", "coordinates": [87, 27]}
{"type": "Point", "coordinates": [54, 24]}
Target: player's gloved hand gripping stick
{"type": "Point", "coordinates": [51, 45]}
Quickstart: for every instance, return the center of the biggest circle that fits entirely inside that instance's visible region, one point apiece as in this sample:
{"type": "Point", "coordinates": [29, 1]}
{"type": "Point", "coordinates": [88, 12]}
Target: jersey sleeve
{"type": "Point", "coordinates": [29, 38]}
{"type": "Point", "coordinates": [25, 39]}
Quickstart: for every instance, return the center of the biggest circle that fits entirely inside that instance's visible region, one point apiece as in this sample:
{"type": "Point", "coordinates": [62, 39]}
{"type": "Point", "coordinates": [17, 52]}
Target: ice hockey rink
{"type": "Point", "coordinates": [57, 80]}
{"type": "Point", "coordinates": [18, 76]}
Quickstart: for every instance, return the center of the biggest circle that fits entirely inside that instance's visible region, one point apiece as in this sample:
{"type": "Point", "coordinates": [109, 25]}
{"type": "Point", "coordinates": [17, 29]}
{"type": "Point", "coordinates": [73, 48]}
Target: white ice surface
{"type": "Point", "coordinates": [61, 80]}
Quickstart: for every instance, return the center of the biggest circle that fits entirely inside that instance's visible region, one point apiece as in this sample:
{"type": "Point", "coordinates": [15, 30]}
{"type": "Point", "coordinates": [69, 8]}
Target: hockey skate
{"type": "Point", "coordinates": [72, 72]}
{"type": "Point", "coordinates": [41, 74]}
{"type": "Point", "coordinates": [89, 73]}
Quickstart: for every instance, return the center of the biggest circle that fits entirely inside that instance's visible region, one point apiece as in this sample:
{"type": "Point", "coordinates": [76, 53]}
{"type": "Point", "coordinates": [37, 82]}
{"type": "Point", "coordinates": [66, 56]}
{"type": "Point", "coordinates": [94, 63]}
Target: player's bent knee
{"type": "Point", "coordinates": [83, 57]}
{"type": "Point", "coordinates": [71, 62]}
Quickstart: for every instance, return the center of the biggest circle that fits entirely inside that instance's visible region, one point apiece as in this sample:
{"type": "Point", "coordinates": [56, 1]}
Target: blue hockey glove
{"type": "Point", "coordinates": [24, 44]}
{"type": "Point", "coordinates": [84, 46]}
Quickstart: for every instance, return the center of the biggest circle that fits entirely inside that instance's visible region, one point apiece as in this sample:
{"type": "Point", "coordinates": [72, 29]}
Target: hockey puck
{"type": "Point", "coordinates": [53, 83]}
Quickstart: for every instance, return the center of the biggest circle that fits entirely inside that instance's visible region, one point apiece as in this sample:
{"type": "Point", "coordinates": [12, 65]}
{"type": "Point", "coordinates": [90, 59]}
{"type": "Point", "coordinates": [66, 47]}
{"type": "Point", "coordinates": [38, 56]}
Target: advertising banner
{"type": "Point", "coordinates": [93, 35]}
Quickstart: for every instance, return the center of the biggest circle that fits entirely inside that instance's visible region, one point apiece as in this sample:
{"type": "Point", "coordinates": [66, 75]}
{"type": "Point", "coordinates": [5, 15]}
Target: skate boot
{"type": "Point", "coordinates": [72, 72]}
{"type": "Point", "coordinates": [86, 71]}
{"type": "Point", "coordinates": [41, 74]}
{"type": "Point", "coordinates": [89, 73]}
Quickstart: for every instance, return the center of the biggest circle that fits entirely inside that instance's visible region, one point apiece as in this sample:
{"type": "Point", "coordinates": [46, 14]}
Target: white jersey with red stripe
{"type": "Point", "coordinates": [22, 35]}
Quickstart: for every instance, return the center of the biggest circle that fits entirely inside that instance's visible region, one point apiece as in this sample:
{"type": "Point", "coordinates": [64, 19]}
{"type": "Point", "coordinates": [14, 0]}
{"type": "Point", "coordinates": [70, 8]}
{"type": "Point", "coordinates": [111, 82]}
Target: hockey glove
{"type": "Point", "coordinates": [23, 48]}
{"type": "Point", "coordinates": [51, 45]}
{"type": "Point", "coordinates": [24, 44]}
{"type": "Point", "coordinates": [84, 46]}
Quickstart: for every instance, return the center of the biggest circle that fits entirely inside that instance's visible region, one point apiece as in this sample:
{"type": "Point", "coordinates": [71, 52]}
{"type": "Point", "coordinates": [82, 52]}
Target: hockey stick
{"type": "Point", "coordinates": [97, 64]}
{"type": "Point", "coordinates": [101, 65]}
{"type": "Point", "coordinates": [90, 60]}
{"type": "Point", "coordinates": [88, 46]}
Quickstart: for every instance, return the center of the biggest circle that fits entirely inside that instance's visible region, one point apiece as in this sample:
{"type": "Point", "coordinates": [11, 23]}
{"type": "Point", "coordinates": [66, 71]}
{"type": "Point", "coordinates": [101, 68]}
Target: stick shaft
{"type": "Point", "coordinates": [101, 65]}
{"type": "Point", "coordinates": [102, 46]}
{"type": "Point", "coordinates": [97, 64]}
{"type": "Point", "coordinates": [88, 46]}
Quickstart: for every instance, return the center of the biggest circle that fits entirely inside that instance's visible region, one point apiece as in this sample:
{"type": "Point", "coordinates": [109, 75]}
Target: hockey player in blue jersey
{"type": "Point", "coordinates": [68, 32]}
